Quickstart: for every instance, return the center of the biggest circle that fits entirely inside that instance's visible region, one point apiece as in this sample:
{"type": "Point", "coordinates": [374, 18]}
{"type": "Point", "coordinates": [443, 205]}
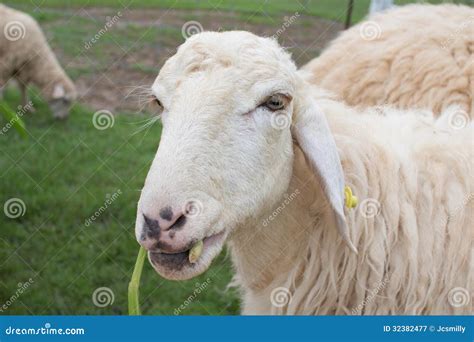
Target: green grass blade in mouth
{"type": "Point", "coordinates": [134, 285]}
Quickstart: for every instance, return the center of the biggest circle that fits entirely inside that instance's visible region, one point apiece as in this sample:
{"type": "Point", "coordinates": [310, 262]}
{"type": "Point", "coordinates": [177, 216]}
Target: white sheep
{"type": "Point", "coordinates": [252, 154]}
{"type": "Point", "coordinates": [26, 57]}
{"type": "Point", "coordinates": [414, 56]}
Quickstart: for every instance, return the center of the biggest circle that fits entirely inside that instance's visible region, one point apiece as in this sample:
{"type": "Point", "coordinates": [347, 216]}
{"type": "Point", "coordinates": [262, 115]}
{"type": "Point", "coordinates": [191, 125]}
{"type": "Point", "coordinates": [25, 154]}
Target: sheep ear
{"type": "Point", "coordinates": [311, 131]}
{"type": "Point", "coordinates": [58, 91]}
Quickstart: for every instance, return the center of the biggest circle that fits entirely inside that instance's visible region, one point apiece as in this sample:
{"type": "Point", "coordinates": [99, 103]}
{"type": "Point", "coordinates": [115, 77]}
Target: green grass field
{"type": "Point", "coordinates": [330, 9]}
{"type": "Point", "coordinates": [66, 170]}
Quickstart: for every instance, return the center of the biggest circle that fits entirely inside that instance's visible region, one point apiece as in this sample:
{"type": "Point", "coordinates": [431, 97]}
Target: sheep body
{"type": "Point", "coordinates": [415, 56]}
{"type": "Point", "coordinates": [413, 176]}
{"type": "Point", "coordinates": [248, 164]}
{"type": "Point", "coordinates": [27, 57]}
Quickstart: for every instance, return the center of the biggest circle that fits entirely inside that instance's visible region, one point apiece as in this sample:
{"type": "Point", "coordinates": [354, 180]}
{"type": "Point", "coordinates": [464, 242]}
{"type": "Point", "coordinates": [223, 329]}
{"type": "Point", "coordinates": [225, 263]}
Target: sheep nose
{"type": "Point", "coordinates": [157, 232]}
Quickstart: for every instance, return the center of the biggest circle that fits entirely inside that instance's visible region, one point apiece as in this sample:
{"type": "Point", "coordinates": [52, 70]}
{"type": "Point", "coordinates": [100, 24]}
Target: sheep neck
{"type": "Point", "coordinates": [268, 247]}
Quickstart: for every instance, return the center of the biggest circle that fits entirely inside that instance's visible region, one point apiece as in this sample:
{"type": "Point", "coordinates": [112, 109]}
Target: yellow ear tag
{"type": "Point", "coordinates": [351, 200]}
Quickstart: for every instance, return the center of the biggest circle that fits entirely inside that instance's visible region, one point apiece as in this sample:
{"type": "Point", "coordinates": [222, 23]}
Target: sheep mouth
{"type": "Point", "coordinates": [177, 266]}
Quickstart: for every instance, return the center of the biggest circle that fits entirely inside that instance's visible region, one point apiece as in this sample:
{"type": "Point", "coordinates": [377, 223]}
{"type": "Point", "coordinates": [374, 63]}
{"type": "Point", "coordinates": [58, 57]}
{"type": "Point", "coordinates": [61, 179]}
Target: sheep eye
{"type": "Point", "coordinates": [276, 102]}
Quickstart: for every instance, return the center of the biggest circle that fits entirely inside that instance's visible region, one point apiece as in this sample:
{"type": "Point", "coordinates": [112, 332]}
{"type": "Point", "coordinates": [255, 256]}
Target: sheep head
{"type": "Point", "coordinates": [227, 102]}
{"type": "Point", "coordinates": [61, 97]}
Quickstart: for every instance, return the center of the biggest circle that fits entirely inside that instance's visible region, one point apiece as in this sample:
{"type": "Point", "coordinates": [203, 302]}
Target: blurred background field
{"type": "Point", "coordinates": [66, 170]}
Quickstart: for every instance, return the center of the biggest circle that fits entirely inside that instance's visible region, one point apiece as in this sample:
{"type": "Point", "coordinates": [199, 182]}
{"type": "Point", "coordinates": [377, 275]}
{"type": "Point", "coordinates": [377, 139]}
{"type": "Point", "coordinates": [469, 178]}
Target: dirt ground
{"type": "Point", "coordinates": [105, 77]}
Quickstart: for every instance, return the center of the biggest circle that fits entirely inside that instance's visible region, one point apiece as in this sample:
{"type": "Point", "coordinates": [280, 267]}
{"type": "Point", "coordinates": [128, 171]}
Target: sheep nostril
{"type": "Point", "coordinates": [176, 222]}
{"type": "Point", "coordinates": [151, 228]}
{"type": "Point", "coordinates": [179, 222]}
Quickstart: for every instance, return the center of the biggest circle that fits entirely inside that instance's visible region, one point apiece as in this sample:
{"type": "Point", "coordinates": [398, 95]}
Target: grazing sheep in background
{"type": "Point", "coordinates": [415, 56]}
{"type": "Point", "coordinates": [230, 167]}
{"type": "Point", "coordinates": [26, 56]}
